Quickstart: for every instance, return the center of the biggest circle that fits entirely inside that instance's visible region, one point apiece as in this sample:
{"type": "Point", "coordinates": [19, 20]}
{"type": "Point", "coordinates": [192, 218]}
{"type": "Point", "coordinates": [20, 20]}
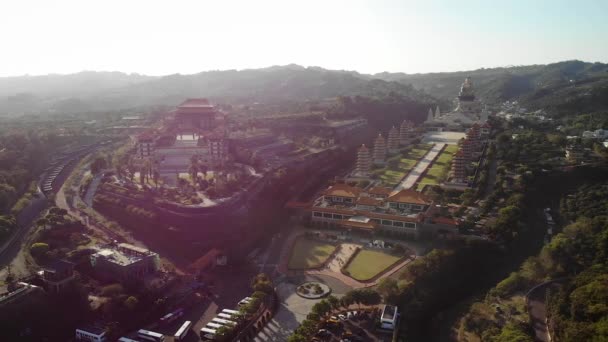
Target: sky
{"type": "Point", "coordinates": [180, 36]}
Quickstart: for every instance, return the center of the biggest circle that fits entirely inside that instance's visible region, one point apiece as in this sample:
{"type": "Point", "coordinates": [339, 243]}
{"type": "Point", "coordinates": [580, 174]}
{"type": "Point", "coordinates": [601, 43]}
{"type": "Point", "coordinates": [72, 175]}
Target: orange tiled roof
{"type": "Point", "coordinates": [368, 201]}
{"type": "Point", "coordinates": [380, 190]}
{"type": "Point", "coordinates": [343, 190]}
{"type": "Point", "coordinates": [408, 196]}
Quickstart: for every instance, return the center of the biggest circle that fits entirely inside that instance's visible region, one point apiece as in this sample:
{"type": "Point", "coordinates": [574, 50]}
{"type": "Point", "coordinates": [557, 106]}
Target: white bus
{"type": "Point", "coordinates": [183, 331]}
{"type": "Point", "coordinates": [224, 316]}
{"type": "Point", "coordinates": [223, 322]}
{"type": "Point", "coordinates": [230, 312]}
{"type": "Point", "coordinates": [150, 335]}
{"type": "Point", "coordinates": [212, 325]}
{"type": "Point", "coordinates": [208, 334]}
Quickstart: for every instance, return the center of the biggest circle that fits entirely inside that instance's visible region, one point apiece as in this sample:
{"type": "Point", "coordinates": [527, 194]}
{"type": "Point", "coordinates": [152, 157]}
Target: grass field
{"type": "Point", "coordinates": [309, 253]}
{"type": "Point", "coordinates": [440, 168]}
{"type": "Point", "coordinates": [367, 264]}
{"type": "Point", "coordinates": [398, 166]}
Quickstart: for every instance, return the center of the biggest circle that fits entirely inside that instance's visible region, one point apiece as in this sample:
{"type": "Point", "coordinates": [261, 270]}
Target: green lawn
{"type": "Point", "coordinates": [440, 168]}
{"type": "Point", "coordinates": [397, 166]}
{"type": "Point", "coordinates": [368, 263]}
{"type": "Point", "coordinates": [309, 253]}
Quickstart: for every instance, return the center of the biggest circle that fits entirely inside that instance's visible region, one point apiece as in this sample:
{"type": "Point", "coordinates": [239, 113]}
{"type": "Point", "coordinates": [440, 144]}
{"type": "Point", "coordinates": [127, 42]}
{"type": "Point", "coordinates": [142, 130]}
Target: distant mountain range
{"type": "Point", "coordinates": [564, 87]}
{"type": "Point", "coordinates": [559, 84]}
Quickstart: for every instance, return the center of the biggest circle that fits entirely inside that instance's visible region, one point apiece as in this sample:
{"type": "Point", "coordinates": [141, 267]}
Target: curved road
{"type": "Point", "coordinates": [537, 309]}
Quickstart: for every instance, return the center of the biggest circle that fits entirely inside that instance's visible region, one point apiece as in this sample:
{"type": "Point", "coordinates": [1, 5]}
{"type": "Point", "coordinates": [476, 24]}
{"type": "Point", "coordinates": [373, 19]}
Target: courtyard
{"type": "Point", "coordinates": [308, 253]}
{"type": "Point", "coordinates": [369, 263]}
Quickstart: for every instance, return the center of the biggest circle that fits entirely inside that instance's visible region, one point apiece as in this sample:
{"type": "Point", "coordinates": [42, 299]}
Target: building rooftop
{"type": "Point", "coordinates": [59, 266]}
{"type": "Point", "coordinates": [121, 257]}
{"type": "Point", "coordinates": [196, 103]}
{"type": "Point", "coordinates": [343, 190]}
{"type": "Point", "coordinates": [408, 196]}
{"type": "Point", "coordinates": [93, 330]}
{"type": "Point", "coordinates": [389, 312]}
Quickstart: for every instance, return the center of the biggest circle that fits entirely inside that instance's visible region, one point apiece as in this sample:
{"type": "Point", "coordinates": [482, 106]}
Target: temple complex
{"type": "Point", "coordinates": [194, 128]}
{"type": "Point", "coordinates": [468, 111]}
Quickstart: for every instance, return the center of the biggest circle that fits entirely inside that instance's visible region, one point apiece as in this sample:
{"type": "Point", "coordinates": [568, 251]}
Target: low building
{"type": "Point", "coordinates": [349, 207]}
{"type": "Point", "coordinates": [91, 334]}
{"type": "Point", "coordinates": [58, 275]}
{"type": "Point", "coordinates": [125, 263]}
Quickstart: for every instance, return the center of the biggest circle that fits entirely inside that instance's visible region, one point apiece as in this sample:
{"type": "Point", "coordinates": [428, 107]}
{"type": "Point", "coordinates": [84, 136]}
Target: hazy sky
{"type": "Point", "coordinates": [165, 37]}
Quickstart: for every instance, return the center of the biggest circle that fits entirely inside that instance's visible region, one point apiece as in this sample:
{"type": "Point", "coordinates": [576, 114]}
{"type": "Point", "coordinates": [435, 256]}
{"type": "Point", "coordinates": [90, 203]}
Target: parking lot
{"type": "Point", "coordinates": [353, 325]}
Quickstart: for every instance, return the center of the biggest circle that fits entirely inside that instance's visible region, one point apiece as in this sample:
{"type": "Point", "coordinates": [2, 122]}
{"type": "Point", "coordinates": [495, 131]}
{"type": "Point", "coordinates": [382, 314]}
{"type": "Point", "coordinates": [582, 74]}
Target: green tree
{"type": "Point", "coordinates": [39, 249]}
{"type": "Point", "coordinates": [131, 302]}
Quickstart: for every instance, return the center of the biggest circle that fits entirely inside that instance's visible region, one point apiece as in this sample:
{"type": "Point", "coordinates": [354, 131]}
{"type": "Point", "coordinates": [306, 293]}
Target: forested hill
{"type": "Point", "coordinates": [291, 83]}
{"type": "Point", "coordinates": [564, 87]}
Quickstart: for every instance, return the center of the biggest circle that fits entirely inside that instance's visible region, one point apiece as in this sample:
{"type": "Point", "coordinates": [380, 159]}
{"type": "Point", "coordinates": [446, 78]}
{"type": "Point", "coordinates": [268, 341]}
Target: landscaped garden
{"type": "Point", "coordinates": [399, 165]}
{"type": "Point", "coordinates": [308, 253]}
{"type": "Point", "coordinates": [440, 168]}
{"type": "Point", "coordinates": [369, 263]}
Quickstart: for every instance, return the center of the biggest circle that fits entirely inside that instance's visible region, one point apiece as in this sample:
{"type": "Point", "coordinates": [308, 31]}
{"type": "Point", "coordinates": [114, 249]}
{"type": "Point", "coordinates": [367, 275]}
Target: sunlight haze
{"type": "Point", "coordinates": [161, 37]}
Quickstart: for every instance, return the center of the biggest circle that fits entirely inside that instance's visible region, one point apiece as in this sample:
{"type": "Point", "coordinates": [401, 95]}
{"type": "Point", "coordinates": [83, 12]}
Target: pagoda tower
{"type": "Point", "coordinates": [364, 161]}
{"type": "Point", "coordinates": [406, 132]}
{"type": "Point", "coordinates": [459, 167]}
{"type": "Point", "coordinates": [430, 117]}
{"type": "Point", "coordinates": [437, 112]}
{"type": "Point", "coordinates": [379, 155]}
{"type": "Point", "coordinates": [467, 103]}
{"type": "Point", "coordinates": [393, 140]}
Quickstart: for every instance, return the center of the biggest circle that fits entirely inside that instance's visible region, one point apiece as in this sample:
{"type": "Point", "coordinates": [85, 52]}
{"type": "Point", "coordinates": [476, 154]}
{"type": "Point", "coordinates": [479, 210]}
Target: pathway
{"type": "Point", "coordinates": [537, 308]}
{"type": "Point", "coordinates": [418, 170]}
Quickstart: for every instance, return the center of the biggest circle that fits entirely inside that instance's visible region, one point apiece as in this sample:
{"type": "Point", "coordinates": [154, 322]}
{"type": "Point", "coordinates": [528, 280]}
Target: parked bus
{"type": "Point", "coordinates": [224, 316]}
{"type": "Point", "coordinates": [126, 339]}
{"type": "Point", "coordinates": [223, 322]}
{"type": "Point", "coordinates": [211, 325]}
{"type": "Point", "coordinates": [208, 334]}
{"type": "Point", "coordinates": [172, 316]}
{"type": "Point", "coordinates": [230, 312]}
{"type": "Point", "coordinates": [183, 331]}
{"type": "Point", "coordinates": [150, 335]}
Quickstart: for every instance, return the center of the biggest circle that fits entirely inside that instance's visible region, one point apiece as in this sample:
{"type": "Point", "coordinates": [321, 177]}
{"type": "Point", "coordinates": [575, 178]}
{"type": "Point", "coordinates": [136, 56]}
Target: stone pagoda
{"type": "Point", "coordinates": [364, 162]}
{"type": "Point", "coordinates": [393, 140]}
{"type": "Point", "coordinates": [379, 155]}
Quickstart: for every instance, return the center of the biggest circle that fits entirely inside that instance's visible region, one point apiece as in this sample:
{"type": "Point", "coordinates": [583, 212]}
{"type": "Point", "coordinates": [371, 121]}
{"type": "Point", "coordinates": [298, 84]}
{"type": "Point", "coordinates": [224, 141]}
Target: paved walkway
{"type": "Point", "coordinates": [419, 169]}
